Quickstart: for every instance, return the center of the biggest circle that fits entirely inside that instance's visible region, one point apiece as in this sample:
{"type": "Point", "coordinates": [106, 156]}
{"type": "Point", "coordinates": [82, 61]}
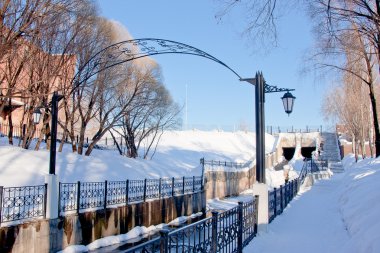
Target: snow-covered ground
{"type": "Point", "coordinates": [340, 215]}
{"type": "Point", "coordinates": [178, 154]}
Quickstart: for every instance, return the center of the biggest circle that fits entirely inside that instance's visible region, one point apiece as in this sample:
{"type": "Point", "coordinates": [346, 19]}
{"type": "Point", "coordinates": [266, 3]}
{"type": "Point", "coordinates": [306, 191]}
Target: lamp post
{"type": "Point", "coordinates": [54, 122]}
{"type": "Point", "coordinates": [260, 89]}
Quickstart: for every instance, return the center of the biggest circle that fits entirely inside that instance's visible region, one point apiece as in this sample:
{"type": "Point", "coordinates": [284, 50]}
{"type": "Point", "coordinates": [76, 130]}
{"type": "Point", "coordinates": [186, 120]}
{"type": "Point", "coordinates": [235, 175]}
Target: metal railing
{"type": "Point", "coordinates": [24, 202]}
{"type": "Point", "coordinates": [279, 198]}
{"type": "Point", "coordinates": [223, 163]}
{"type": "Point", "coordinates": [228, 231]}
{"type": "Point", "coordinates": [85, 195]}
{"type": "Point", "coordinates": [309, 166]}
{"type": "Point", "coordinates": [292, 129]}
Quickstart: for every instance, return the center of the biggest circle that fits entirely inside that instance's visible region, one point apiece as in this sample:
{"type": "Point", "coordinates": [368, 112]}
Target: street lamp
{"type": "Point", "coordinates": [54, 122]}
{"type": "Point", "coordinates": [261, 87]}
{"type": "Point", "coordinates": [288, 101]}
{"type": "Point", "coordinates": [36, 115]}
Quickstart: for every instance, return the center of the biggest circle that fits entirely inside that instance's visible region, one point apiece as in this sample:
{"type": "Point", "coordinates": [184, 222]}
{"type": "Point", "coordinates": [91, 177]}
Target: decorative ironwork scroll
{"type": "Point", "coordinates": [136, 190]}
{"type": "Point", "coordinates": [91, 195]}
{"type": "Point", "coordinates": [116, 192]}
{"type": "Point", "coordinates": [129, 50]}
{"type": "Point", "coordinates": [249, 221]}
{"type": "Point", "coordinates": [67, 197]}
{"type": "Point", "coordinates": [22, 202]}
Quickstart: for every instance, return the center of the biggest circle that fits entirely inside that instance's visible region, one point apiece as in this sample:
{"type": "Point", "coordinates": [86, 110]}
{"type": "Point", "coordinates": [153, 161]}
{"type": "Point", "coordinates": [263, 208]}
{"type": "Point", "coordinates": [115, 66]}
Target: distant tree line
{"type": "Point", "coordinates": [45, 44]}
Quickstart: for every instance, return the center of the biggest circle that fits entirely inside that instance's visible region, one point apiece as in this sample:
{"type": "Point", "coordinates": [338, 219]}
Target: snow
{"type": "Point", "coordinates": [135, 232]}
{"type": "Point", "coordinates": [338, 215]}
{"type": "Point", "coordinates": [335, 215]}
{"type": "Point", "coordinates": [178, 155]}
{"type": "Point", "coordinates": [230, 202]}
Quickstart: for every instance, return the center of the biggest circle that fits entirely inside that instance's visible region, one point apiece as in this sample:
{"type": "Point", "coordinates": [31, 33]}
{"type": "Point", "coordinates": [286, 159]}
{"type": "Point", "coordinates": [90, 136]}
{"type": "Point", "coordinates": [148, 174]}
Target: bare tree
{"type": "Point", "coordinates": [347, 36]}
{"type": "Point", "coordinates": [148, 116]}
{"type": "Point", "coordinates": [261, 17]}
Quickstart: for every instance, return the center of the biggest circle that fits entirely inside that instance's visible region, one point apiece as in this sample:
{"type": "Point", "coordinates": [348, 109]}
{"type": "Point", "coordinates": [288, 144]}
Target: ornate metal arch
{"type": "Point", "coordinates": [129, 50]}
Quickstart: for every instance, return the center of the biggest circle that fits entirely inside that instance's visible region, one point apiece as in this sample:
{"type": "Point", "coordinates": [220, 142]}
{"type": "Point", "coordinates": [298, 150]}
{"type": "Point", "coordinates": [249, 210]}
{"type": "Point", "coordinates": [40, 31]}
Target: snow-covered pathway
{"type": "Point", "coordinates": [311, 223]}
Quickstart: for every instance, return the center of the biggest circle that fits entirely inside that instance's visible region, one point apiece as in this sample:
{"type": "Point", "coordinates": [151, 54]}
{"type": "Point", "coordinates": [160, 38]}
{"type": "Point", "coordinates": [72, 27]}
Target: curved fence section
{"type": "Point", "coordinates": [279, 198]}
{"type": "Point", "coordinates": [227, 231]}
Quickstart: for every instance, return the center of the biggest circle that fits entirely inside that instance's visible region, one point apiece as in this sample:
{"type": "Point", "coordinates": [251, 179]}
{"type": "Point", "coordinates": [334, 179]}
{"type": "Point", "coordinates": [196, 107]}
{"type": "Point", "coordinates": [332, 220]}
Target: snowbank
{"type": "Point", "coordinates": [339, 215]}
{"type": "Point", "coordinates": [177, 155]}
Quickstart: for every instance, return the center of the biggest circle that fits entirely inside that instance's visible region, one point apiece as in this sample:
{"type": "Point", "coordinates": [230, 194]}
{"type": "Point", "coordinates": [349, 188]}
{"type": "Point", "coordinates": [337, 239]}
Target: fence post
{"type": "Point", "coordinates": [203, 169]}
{"type": "Point", "coordinates": [52, 197]}
{"type": "Point", "coordinates": [281, 199]}
{"type": "Point", "coordinates": [286, 194]}
{"type": "Point", "coordinates": [293, 189]}
{"type": "Point", "coordinates": [256, 213]}
{"type": "Point", "coordinates": [45, 200]}
{"type": "Point", "coordinates": [214, 235]}
{"type": "Point", "coordinates": [144, 189]}
{"type": "Point", "coordinates": [126, 192]}
{"type": "Point", "coordinates": [78, 196]}
{"type": "Point", "coordinates": [275, 202]}
{"type": "Point", "coordinates": [105, 195]}
{"type": "Point", "coordinates": [240, 229]}
{"type": "Point", "coordinates": [1, 202]}
{"type": "Point", "coordinates": [159, 188]}
{"type": "Point", "coordinates": [106, 141]}
{"type": "Point", "coordinates": [193, 184]}
{"type": "Point", "coordinates": [183, 185]}
{"type": "Point", "coordinates": [164, 233]}
{"type": "Point", "coordinates": [261, 190]}
{"type": "Point", "coordinates": [172, 186]}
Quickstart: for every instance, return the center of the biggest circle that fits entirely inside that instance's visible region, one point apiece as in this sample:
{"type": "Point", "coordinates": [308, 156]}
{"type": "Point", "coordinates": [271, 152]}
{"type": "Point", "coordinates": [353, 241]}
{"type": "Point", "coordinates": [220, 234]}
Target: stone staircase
{"type": "Point", "coordinates": [331, 152]}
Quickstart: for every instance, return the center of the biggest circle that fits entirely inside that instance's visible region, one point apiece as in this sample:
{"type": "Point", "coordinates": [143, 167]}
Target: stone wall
{"type": "Point", "coordinates": [220, 184]}
{"type": "Point", "coordinates": [53, 235]}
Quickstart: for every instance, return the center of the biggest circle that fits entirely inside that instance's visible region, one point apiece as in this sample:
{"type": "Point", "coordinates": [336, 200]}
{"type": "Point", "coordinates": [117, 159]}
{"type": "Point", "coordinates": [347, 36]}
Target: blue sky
{"type": "Point", "coordinates": [215, 96]}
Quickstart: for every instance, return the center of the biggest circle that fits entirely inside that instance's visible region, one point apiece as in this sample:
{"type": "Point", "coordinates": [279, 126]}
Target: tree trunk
{"type": "Point", "coordinates": [72, 136]}
{"type": "Point", "coordinates": [81, 140]}
{"type": "Point", "coordinates": [117, 144]}
{"type": "Point", "coordinates": [354, 147]}
{"type": "Point", "coordinates": [370, 142]}
{"type": "Point", "coordinates": [375, 120]}
{"type": "Point", "coordinates": [10, 132]}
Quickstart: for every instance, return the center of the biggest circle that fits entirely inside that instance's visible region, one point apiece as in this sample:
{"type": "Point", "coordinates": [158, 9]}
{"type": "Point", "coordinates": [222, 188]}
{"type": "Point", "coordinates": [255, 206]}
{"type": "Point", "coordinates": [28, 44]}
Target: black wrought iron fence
{"type": "Point", "coordinates": [292, 129]}
{"type": "Point", "coordinates": [86, 195]}
{"type": "Point", "coordinates": [24, 202]}
{"type": "Point", "coordinates": [228, 231]}
{"type": "Point", "coordinates": [279, 198]}
{"type": "Point", "coordinates": [18, 131]}
{"type": "Point", "coordinates": [223, 163]}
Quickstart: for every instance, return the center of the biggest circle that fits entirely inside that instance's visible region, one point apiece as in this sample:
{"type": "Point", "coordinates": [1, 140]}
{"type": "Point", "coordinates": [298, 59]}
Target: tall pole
{"type": "Point", "coordinates": [260, 125]}
{"type": "Point", "coordinates": [54, 123]}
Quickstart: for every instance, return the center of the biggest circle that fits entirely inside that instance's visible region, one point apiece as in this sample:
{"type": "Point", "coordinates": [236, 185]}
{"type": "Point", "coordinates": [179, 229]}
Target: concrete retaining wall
{"type": "Point", "coordinates": [220, 184]}
{"type": "Point", "coordinates": [53, 235]}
